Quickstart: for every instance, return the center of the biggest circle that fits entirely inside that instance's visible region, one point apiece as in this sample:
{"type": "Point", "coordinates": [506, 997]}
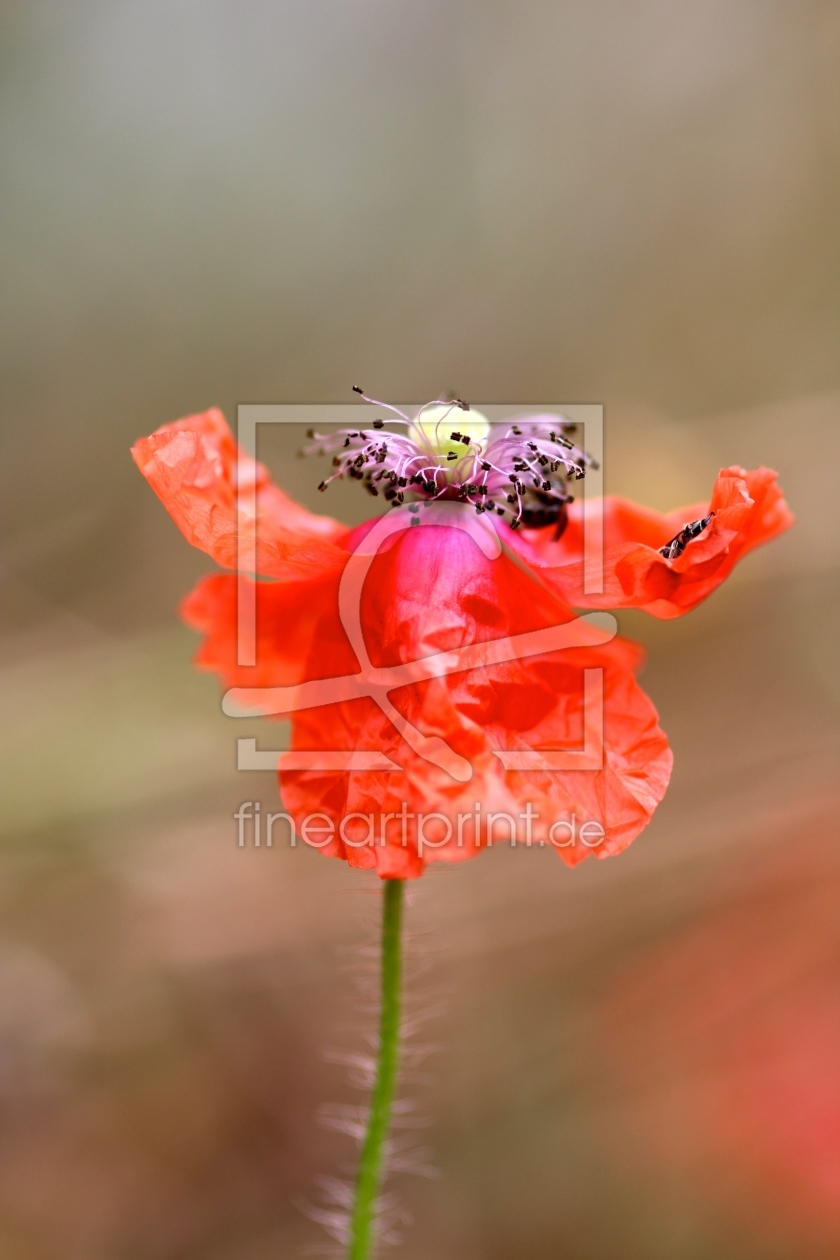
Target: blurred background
{"type": "Point", "coordinates": [217, 202]}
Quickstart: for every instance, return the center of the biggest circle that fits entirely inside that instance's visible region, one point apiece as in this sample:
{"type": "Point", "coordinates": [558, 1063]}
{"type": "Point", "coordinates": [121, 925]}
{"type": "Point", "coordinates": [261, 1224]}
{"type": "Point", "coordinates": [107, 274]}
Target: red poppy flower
{"type": "Point", "coordinates": [463, 749]}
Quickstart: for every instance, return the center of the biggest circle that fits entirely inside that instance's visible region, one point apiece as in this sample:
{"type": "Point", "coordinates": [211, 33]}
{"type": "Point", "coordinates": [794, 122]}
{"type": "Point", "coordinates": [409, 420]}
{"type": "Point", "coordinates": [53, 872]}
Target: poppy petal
{"type": "Point", "coordinates": [432, 591]}
{"type": "Point", "coordinates": [747, 509]}
{"type": "Point", "coordinates": [286, 616]}
{"type": "Point", "coordinates": [195, 466]}
{"type": "Point", "coordinates": [400, 822]}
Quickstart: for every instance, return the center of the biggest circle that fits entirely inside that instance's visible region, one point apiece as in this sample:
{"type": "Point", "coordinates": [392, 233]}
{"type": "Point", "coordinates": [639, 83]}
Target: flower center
{"type": "Point", "coordinates": [450, 437]}
{"type": "Point", "coordinates": [519, 469]}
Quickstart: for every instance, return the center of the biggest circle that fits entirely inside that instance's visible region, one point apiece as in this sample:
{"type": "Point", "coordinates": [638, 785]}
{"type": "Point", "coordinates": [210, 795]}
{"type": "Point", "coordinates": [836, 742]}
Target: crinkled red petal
{"type": "Point", "coordinates": [749, 509]}
{"type": "Point", "coordinates": [195, 466]}
{"type": "Point", "coordinates": [432, 590]}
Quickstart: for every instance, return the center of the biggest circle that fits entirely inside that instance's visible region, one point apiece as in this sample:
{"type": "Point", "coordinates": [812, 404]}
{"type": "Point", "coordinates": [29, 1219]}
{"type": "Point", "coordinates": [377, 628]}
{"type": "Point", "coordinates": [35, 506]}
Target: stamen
{"type": "Point", "coordinates": [476, 464]}
{"type": "Point", "coordinates": [687, 534]}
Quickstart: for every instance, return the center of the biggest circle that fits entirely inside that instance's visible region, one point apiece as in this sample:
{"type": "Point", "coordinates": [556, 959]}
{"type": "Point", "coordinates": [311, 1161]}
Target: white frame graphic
{"type": "Point", "coordinates": [594, 629]}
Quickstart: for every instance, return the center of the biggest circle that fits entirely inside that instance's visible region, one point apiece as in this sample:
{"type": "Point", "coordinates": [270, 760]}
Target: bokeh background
{"type": "Point", "coordinates": [217, 202]}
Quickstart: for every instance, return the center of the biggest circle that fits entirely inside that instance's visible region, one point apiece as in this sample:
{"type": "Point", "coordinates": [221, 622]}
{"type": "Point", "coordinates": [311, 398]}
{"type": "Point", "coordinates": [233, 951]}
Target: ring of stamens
{"type": "Point", "coordinates": [522, 472]}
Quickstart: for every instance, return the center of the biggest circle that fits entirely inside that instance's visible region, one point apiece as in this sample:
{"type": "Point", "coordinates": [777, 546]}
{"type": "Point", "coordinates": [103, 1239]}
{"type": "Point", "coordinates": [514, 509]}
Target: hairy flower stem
{"type": "Point", "coordinates": [369, 1175]}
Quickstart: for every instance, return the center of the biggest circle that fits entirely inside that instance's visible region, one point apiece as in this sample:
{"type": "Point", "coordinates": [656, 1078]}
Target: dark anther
{"type": "Point", "coordinates": [485, 467]}
{"type": "Point", "coordinates": [541, 509]}
{"type": "Point", "coordinates": [310, 433]}
{"type": "Point", "coordinates": [356, 390]}
{"type": "Point", "coordinates": [452, 455]}
{"type": "Point", "coordinates": [379, 424]}
{"type": "Point", "coordinates": [322, 485]}
{"type": "Point", "coordinates": [459, 402]}
{"type": "Point", "coordinates": [511, 498]}
{"type": "Point", "coordinates": [687, 534]}
{"type": "Point", "coordinates": [465, 439]}
{"type": "Point", "coordinates": [518, 432]}
{"type": "Point", "coordinates": [429, 487]}
{"type": "Point", "coordinates": [455, 437]}
{"type": "Point", "coordinates": [482, 490]}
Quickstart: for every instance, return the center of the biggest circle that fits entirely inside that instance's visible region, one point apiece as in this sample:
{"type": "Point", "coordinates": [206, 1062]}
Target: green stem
{"type": "Point", "coordinates": [369, 1175]}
